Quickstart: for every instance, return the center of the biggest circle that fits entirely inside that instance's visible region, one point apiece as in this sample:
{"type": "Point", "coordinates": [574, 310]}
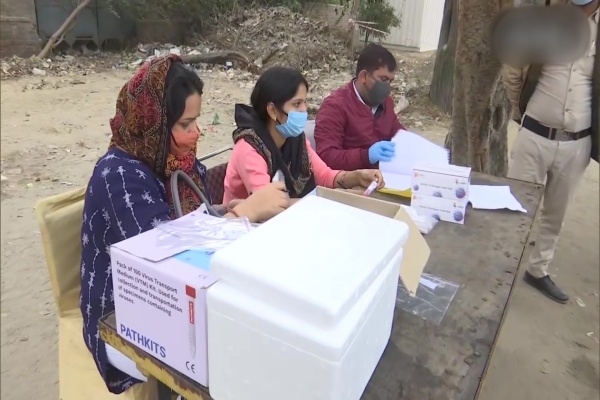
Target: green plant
{"type": "Point", "coordinates": [381, 16]}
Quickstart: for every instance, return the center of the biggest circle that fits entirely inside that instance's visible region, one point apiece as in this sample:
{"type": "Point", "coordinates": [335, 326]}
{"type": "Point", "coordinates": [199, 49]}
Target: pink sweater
{"type": "Point", "coordinates": [247, 172]}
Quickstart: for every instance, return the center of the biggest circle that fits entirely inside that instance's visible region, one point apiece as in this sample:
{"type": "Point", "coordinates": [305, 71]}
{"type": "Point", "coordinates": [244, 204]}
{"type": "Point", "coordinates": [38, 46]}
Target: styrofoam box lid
{"type": "Point", "coordinates": [313, 260]}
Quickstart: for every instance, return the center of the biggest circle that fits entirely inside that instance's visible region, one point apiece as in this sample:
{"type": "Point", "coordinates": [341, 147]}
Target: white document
{"type": "Point", "coordinates": [396, 181]}
{"type": "Point", "coordinates": [411, 150]}
{"type": "Point", "coordinates": [493, 198]}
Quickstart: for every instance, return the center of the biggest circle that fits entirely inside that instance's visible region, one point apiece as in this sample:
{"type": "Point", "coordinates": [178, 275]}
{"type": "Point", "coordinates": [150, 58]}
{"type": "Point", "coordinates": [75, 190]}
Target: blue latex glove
{"type": "Point", "coordinates": [381, 151]}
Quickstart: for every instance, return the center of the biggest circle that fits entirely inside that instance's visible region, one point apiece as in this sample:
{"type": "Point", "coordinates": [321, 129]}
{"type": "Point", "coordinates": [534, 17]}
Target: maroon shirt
{"type": "Point", "coordinates": [346, 128]}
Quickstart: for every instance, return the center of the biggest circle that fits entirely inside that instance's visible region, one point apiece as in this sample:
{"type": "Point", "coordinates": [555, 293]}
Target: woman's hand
{"type": "Point", "coordinates": [264, 203]}
{"type": "Point", "coordinates": [363, 178]}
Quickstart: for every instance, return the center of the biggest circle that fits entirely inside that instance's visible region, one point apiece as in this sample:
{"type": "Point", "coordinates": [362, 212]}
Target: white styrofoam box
{"type": "Point", "coordinates": [304, 305]}
{"type": "Point", "coordinates": [305, 249]}
{"type": "Point", "coordinates": [254, 362]}
{"type": "Point", "coordinates": [439, 208]}
{"type": "Point", "coordinates": [449, 182]}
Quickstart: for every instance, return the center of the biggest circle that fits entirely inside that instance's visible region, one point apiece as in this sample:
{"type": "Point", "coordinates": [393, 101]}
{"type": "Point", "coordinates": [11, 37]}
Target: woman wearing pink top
{"type": "Point", "coordinates": [269, 141]}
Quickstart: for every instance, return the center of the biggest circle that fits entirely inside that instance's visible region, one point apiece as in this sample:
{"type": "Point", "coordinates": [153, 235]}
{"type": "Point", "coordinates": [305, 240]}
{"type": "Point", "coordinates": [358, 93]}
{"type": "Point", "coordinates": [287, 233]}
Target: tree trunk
{"type": "Point", "coordinates": [351, 38]}
{"type": "Point", "coordinates": [480, 107]}
{"type": "Point", "coordinates": [440, 91]}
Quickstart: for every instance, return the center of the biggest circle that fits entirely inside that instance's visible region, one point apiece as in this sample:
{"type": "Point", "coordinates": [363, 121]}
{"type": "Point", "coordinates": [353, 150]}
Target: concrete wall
{"type": "Point", "coordinates": [18, 28]}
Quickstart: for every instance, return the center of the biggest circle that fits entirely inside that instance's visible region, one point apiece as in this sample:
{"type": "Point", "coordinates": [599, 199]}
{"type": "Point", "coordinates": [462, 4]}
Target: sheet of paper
{"type": "Point", "coordinates": [411, 149]}
{"type": "Point", "coordinates": [396, 181]}
{"type": "Point", "coordinates": [493, 198]}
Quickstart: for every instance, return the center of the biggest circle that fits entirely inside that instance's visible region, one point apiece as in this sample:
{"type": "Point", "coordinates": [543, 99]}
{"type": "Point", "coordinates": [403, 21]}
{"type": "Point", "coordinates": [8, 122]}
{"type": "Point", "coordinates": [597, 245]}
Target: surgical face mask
{"type": "Point", "coordinates": [581, 2]}
{"type": "Point", "coordinates": [294, 126]}
{"type": "Point", "coordinates": [379, 92]}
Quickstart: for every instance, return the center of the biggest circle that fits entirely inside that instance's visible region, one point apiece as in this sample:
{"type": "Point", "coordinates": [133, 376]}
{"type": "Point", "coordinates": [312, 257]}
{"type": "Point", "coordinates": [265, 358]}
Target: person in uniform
{"type": "Point", "coordinates": [557, 107]}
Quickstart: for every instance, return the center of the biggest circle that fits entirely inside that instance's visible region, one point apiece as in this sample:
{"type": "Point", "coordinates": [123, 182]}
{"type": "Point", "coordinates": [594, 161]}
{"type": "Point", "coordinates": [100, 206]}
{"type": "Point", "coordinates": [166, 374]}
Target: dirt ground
{"type": "Point", "coordinates": [51, 136]}
{"type": "Point", "coordinates": [546, 350]}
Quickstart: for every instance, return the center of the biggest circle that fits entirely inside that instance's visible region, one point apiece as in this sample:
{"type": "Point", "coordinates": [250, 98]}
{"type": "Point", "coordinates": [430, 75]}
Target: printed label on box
{"type": "Point", "coordinates": [161, 308]}
{"type": "Point", "coordinates": [439, 208]}
{"type": "Point", "coordinates": [449, 182]}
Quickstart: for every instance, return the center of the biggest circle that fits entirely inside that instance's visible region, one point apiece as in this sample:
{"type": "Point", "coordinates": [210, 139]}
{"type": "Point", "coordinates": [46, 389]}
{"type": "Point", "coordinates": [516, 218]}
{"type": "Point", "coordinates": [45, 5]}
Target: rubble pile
{"type": "Point", "coordinates": [268, 36]}
{"type": "Point", "coordinates": [278, 36]}
{"type": "Point", "coordinates": [60, 65]}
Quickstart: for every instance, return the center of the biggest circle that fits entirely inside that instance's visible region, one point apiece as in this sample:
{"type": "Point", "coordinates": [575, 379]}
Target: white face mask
{"type": "Point", "coordinates": [581, 2]}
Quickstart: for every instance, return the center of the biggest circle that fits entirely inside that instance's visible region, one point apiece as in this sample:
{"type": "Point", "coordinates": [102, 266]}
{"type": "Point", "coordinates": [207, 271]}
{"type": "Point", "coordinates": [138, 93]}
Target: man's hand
{"type": "Point", "coordinates": [381, 151]}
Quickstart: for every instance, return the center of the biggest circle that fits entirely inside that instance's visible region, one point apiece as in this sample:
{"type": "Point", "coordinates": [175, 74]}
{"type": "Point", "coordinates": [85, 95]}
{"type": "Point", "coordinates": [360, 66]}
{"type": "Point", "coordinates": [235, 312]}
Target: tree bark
{"type": "Point", "coordinates": [351, 35]}
{"type": "Point", "coordinates": [440, 91]}
{"type": "Point", "coordinates": [64, 28]}
{"type": "Point", "coordinates": [480, 107]}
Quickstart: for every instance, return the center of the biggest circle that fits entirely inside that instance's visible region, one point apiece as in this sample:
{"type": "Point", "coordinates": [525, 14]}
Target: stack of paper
{"type": "Point", "coordinates": [411, 150]}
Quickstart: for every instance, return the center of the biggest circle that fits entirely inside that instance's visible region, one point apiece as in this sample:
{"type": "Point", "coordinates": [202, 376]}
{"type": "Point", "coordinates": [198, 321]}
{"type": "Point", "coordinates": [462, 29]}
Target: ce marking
{"type": "Point", "coordinates": [190, 367]}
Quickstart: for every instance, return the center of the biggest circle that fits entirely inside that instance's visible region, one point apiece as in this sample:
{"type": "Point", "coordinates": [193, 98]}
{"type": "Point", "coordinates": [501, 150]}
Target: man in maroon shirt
{"type": "Point", "coordinates": [355, 123]}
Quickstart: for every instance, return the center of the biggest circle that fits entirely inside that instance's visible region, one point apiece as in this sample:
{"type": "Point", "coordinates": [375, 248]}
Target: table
{"type": "Point", "coordinates": [423, 360]}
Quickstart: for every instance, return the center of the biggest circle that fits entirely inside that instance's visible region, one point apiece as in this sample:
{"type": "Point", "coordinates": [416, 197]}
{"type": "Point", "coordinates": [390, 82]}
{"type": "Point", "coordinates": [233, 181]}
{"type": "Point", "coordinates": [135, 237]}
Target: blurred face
{"type": "Point", "coordinates": [296, 103]}
{"type": "Point", "coordinates": [185, 132]}
{"type": "Point", "coordinates": [375, 87]}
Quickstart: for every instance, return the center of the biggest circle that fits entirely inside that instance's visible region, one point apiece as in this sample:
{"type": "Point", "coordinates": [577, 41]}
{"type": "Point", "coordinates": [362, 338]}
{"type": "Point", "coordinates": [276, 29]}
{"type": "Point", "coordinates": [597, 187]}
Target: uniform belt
{"type": "Point", "coordinates": [536, 127]}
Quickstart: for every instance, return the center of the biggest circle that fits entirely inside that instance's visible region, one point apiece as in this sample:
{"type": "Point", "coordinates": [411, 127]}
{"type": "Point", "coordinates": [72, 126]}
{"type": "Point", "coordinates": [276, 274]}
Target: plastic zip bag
{"type": "Point", "coordinates": [201, 231]}
{"type": "Point", "coordinates": [425, 223]}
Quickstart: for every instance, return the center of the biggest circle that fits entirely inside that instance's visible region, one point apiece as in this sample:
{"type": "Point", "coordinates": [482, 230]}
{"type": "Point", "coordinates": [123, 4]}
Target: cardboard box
{"type": "Point", "coordinates": [439, 208]}
{"type": "Point", "coordinates": [448, 182]}
{"type": "Point", "coordinates": [160, 300]}
{"type": "Point", "coordinates": [416, 250]}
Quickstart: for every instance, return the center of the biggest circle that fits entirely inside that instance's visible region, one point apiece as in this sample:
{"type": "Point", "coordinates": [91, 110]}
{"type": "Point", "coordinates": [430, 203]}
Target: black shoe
{"type": "Point", "coordinates": [547, 287]}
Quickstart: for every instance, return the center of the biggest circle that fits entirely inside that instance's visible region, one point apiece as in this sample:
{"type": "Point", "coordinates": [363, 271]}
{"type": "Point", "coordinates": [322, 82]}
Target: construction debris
{"type": "Point", "coordinates": [277, 36]}
{"type": "Point", "coordinates": [60, 65]}
{"type": "Point", "coordinates": [240, 46]}
{"type": "Point", "coordinates": [252, 39]}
